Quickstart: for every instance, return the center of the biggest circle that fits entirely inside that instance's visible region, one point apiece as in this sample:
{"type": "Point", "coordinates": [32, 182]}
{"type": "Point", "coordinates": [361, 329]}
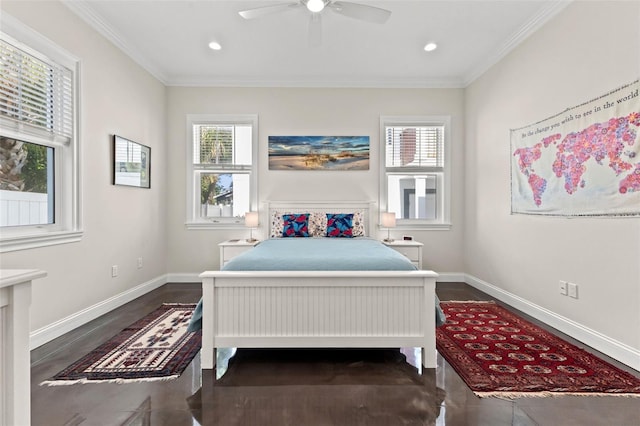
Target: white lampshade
{"type": "Point", "coordinates": [389, 220]}
{"type": "Point", "coordinates": [251, 219]}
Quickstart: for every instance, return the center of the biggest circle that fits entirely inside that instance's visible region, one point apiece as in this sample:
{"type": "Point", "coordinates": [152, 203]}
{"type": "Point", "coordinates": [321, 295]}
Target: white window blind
{"type": "Point", "coordinates": [36, 94]}
{"type": "Point", "coordinates": [415, 147]}
{"type": "Point", "coordinates": [222, 145]}
{"type": "Point", "coordinates": [214, 144]}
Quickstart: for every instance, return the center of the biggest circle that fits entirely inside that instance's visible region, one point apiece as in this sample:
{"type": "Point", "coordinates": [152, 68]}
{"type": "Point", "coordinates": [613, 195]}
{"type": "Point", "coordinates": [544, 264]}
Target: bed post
{"type": "Point", "coordinates": [207, 352]}
{"type": "Point", "coordinates": [429, 345]}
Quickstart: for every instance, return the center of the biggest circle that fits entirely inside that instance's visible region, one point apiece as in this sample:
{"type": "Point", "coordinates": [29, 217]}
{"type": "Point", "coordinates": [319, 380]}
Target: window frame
{"type": "Point", "coordinates": [67, 226]}
{"type": "Point", "coordinates": [194, 220]}
{"type": "Point", "coordinates": [443, 186]}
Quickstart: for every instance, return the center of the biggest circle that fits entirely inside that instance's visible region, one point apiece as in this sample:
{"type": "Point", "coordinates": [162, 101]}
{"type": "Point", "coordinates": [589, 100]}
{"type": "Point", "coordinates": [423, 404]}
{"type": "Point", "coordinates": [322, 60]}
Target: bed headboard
{"type": "Point", "coordinates": [366, 207]}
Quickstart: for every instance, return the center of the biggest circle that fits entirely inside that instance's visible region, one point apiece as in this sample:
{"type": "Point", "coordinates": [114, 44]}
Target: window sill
{"type": "Point", "coordinates": [26, 242]}
{"type": "Point", "coordinates": [216, 225]}
{"type": "Point", "coordinates": [424, 227]}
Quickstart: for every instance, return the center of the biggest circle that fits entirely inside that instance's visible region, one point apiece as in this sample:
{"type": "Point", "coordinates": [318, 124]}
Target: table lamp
{"type": "Point", "coordinates": [388, 221]}
{"type": "Point", "coordinates": [251, 221]}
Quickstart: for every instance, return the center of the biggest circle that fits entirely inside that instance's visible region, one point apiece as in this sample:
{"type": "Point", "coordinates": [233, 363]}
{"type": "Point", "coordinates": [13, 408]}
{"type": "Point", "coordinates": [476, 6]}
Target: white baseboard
{"type": "Point", "coordinates": [611, 347]}
{"type": "Point", "coordinates": [451, 277]}
{"type": "Point", "coordinates": [56, 329]}
{"type": "Point", "coordinates": [184, 277]}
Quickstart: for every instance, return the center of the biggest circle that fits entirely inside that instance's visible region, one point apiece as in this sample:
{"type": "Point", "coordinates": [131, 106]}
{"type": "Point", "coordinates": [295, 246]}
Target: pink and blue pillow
{"type": "Point", "coordinates": [340, 225]}
{"type": "Point", "coordinates": [295, 225]}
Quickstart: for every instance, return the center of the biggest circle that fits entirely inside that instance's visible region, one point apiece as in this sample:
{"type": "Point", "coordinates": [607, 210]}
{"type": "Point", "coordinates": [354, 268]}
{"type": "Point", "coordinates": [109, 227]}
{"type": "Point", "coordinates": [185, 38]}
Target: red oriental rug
{"type": "Point", "coordinates": [157, 347]}
{"type": "Point", "coordinates": [500, 354]}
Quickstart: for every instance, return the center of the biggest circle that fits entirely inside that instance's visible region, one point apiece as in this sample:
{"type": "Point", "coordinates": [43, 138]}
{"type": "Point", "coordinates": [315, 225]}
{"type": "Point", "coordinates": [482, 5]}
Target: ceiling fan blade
{"type": "Point", "coordinates": [362, 12]}
{"type": "Point", "coordinates": [315, 30]}
{"type": "Point", "coordinates": [266, 10]}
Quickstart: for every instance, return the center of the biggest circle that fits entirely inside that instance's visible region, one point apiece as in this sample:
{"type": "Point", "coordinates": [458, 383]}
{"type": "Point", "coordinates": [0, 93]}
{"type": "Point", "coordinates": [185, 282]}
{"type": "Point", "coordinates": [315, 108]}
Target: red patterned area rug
{"type": "Point", "coordinates": [500, 354]}
{"type": "Point", "coordinates": [157, 347]}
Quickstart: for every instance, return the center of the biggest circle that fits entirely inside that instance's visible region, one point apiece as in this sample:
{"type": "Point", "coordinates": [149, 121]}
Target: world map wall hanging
{"type": "Point", "coordinates": [584, 161]}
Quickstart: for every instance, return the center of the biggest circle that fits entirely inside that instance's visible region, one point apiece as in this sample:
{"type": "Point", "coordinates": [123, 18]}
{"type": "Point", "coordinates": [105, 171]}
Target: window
{"type": "Point", "coordinates": [39, 195]}
{"type": "Point", "coordinates": [415, 177]}
{"type": "Point", "coordinates": [222, 178]}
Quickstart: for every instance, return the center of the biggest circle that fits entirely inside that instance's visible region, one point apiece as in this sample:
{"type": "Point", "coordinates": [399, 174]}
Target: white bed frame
{"type": "Point", "coordinates": [318, 309]}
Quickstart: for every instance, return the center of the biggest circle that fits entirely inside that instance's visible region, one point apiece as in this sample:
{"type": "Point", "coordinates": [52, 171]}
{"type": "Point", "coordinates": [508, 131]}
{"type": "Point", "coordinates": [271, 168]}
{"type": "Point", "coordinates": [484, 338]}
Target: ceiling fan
{"type": "Point", "coordinates": [358, 11]}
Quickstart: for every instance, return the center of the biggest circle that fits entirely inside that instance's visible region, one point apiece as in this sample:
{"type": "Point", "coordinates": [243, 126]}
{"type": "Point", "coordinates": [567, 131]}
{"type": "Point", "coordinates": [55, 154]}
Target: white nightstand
{"type": "Point", "coordinates": [231, 248]}
{"type": "Point", "coordinates": [411, 249]}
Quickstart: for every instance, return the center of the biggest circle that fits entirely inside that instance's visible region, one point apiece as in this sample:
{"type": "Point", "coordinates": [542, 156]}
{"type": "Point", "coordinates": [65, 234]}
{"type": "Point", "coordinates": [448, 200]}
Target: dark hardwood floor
{"type": "Point", "coordinates": [294, 387]}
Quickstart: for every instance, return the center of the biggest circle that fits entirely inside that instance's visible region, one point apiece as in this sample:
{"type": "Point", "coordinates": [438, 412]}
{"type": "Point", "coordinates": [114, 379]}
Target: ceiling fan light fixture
{"type": "Point", "coordinates": [430, 47]}
{"type": "Point", "coordinates": [315, 6]}
{"type": "Point", "coordinates": [214, 45]}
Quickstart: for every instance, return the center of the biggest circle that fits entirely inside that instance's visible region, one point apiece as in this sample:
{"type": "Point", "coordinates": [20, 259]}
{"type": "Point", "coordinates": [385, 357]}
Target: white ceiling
{"type": "Point", "coordinates": [169, 38]}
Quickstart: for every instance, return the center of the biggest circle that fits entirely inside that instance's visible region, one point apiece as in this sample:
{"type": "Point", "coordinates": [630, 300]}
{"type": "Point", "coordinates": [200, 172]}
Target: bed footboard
{"type": "Point", "coordinates": [323, 309]}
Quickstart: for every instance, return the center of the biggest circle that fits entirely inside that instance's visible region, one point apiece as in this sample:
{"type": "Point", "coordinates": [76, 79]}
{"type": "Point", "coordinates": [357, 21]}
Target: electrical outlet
{"type": "Point", "coordinates": [114, 271]}
{"type": "Point", "coordinates": [139, 263]}
{"type": "Point", "coordinates": [573, 290]}
{"type": "Point", "coordinates": [563, 288]}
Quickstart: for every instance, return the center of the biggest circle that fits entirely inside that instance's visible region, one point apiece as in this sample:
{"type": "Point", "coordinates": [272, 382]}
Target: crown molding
{"type": "Point", "coordinates": [91, 17]}
{"type": "Point", "coordinates": [443, 83]}
{"type": "Point", "coordinates": [540, 19]}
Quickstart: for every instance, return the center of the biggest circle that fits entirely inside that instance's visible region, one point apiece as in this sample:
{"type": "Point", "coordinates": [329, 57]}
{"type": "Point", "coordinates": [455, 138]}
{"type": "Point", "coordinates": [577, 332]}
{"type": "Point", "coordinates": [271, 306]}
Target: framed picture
{"type": "Point", "coordinates": [131, 163]}
{"type": "Point", "coordinates": [318, 152]}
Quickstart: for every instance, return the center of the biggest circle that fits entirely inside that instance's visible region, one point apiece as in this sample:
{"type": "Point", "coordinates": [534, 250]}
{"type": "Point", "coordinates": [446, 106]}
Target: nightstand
{"type": "Point", "coordinates": [231, 248]}
{"type": "Point", "coordinates": [412, 250]}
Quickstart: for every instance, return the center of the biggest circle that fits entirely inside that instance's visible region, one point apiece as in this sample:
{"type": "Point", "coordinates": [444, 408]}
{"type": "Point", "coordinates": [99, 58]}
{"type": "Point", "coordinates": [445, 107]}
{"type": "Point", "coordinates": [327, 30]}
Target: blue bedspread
{"type": "Point", "coordinates": [318, 254]}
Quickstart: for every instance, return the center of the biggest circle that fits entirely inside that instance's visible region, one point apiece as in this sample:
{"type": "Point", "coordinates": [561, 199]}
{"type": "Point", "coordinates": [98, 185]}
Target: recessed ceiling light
{"type": "Point", "coordinates": [430, 47]}
{"type": "Point", "coordinates": [214, 45]}
{"type": "Point", "coordinates": [315, 5]}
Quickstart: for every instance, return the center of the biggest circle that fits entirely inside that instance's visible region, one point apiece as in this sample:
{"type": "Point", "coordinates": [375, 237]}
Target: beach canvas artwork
{"type": "Point", "coordinates": [318, 152]}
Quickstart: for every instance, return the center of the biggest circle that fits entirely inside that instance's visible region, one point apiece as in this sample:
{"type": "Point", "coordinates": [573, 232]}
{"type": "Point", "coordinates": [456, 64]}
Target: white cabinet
{"type": "Point", "coordinates": [231, 248]}
{"type": "Point", "coordinates": [412, 250]}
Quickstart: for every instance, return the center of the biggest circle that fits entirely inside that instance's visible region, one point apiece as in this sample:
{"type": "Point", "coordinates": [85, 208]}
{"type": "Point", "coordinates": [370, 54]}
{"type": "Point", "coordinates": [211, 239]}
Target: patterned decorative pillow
{"type": "Point", "coordinates": [295, 225]}
{"type": "Point", "coordinates": [358, 223]}
{"type": "Point", "coordinates": [340, 225]}
{"type": "Point", "coordinates": [276, 225]}
{"type": "Point", "coordinates": [318, 224]}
